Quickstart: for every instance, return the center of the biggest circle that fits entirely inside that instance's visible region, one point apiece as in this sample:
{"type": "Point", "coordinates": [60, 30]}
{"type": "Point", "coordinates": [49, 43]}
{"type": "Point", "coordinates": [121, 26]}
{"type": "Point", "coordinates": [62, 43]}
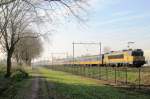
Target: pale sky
{"type": "Point", "coordinates": [111, 22]}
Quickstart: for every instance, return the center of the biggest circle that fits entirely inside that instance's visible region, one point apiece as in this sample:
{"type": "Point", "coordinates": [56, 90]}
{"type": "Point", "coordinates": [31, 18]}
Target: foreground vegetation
{"type": "Point", "coordinates": [67, 86]}
{"type": "Point", "coordinates": [21, 84]}
{"type": "Point", "coordinates": [112, 74]}
{"type": "Point", "coordinates": [60, 85]}
{"type": "Point", "coordinates": [10, 87]}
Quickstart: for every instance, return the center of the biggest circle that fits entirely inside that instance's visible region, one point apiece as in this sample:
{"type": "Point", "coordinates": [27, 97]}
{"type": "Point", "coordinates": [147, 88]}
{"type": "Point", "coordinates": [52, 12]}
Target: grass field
{"type": "Point", "coordinates": [62, 85]}
{"type": "Point", "coordinates": [67, 86]}
{"type": "Point", "coordinates": [110, 73]}
{"type": "Point", "coordinates": [11, 88]}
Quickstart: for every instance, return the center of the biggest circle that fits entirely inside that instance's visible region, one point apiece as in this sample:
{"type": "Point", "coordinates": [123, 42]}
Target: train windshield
{"type": "Point", "coordinates": [137, 53]}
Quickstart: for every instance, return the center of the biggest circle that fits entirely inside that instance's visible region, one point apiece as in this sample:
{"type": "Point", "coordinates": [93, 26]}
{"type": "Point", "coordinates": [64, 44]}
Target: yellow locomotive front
{"type": "Point", "coordinates": [133, 58]}
{"type": "Point", "coordinates": [138, 57]}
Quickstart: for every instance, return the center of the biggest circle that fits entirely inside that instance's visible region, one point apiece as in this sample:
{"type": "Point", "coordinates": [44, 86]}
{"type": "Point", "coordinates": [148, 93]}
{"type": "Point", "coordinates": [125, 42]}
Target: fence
{"type": "Point", "coordinates": [134, 77]}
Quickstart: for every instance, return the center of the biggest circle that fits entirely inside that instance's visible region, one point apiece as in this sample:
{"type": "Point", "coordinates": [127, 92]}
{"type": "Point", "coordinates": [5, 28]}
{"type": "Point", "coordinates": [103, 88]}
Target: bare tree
{"type": "Point", "coordinates": [27, 49]}
{"type": "Point", "coordinates": [5, 2]}
{"type": "Point", "coordinates": [68, 6]}
{"type": "Point", "coordinates": [17, 15]}
{"type": "Point", "coordinates": [13, 22]}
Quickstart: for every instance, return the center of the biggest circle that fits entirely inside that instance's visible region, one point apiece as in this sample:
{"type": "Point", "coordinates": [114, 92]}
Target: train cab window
{"type": "Point", "coordinates": [116, 56]}
{"type": "Point", "coordinates": [137, 53]}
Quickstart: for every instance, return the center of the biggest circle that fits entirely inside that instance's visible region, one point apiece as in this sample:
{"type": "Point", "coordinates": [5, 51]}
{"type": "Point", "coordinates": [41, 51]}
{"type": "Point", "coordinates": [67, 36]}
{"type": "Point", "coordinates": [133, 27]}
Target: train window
{"type": "Point", "coordinates": [137, 53]}
{"type": "Point", "coordinates": [99, 57]}
{"type": "Point", "coordinates": [116, 56]}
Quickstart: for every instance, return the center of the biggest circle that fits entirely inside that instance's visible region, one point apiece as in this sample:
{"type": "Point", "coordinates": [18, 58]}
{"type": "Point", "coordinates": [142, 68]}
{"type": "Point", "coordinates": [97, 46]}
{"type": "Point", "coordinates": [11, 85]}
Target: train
{"type": "Point", "coordinates": [130, 57]}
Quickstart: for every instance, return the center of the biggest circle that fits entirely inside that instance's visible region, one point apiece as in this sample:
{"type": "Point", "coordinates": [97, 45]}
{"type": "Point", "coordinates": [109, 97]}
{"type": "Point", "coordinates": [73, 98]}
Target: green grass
{"type": "Point", "coordinates": [16, 90]}
{"type": "Point", "coordinates": [62, 85]}
{"type": "Point", "coordinates": [67, 86]}
{"type": "Point", "coordinates": [109, 73]}
{"type": "Point", "coordinates": [24, 89]}
{"type": "Point", "coordinates": [11, 88]}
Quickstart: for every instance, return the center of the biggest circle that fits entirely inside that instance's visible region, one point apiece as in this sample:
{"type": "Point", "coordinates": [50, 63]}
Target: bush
{"type": "Point", "coordinates": [19, 75]}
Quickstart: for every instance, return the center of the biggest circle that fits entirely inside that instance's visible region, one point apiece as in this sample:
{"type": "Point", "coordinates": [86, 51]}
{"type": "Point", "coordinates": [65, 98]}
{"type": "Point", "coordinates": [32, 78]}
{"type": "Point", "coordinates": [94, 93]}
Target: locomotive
{"type": "Point", "coordinates": [132, 58]}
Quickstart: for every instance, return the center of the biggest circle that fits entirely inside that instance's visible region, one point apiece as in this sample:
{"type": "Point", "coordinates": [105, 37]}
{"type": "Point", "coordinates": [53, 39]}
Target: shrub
{"type": "Point", "coordinates": [19, 75]}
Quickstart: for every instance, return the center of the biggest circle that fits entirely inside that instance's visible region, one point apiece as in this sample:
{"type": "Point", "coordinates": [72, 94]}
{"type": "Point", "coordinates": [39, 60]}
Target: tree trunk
{"type": "Point", "coordinates": [29, 62]}
{"type": "Point", "coordinates": [8, 73]}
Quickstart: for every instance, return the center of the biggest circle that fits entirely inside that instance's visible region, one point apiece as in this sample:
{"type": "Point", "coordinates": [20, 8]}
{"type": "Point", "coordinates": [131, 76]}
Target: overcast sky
{"type": "Point", "coordinates": [111, 22]}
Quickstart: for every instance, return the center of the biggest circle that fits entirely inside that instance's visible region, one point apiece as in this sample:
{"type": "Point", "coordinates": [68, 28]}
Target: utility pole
{"type": "Point", "coordinates": [52, 60]}
{"type": "Point", "coordinates": [73, 58]}
{"type": "Point", "coordinates": [85, 43]}
{"type": "Point", "coordinates": [52, 55]}
{"type": "Point", "coordinates": [129, 43]}
{"type": "Point", "coordinates": [100, 55]}
{"type": "Point", "coordinates": [73, 53]}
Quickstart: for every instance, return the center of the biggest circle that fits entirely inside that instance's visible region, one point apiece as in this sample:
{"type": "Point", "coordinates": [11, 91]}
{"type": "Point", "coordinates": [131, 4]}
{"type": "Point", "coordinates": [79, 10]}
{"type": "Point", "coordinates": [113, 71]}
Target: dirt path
{"type": "Point", "coordinates": [35, 88]}
{"type": "Point", "coordinates": [39, 88]}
